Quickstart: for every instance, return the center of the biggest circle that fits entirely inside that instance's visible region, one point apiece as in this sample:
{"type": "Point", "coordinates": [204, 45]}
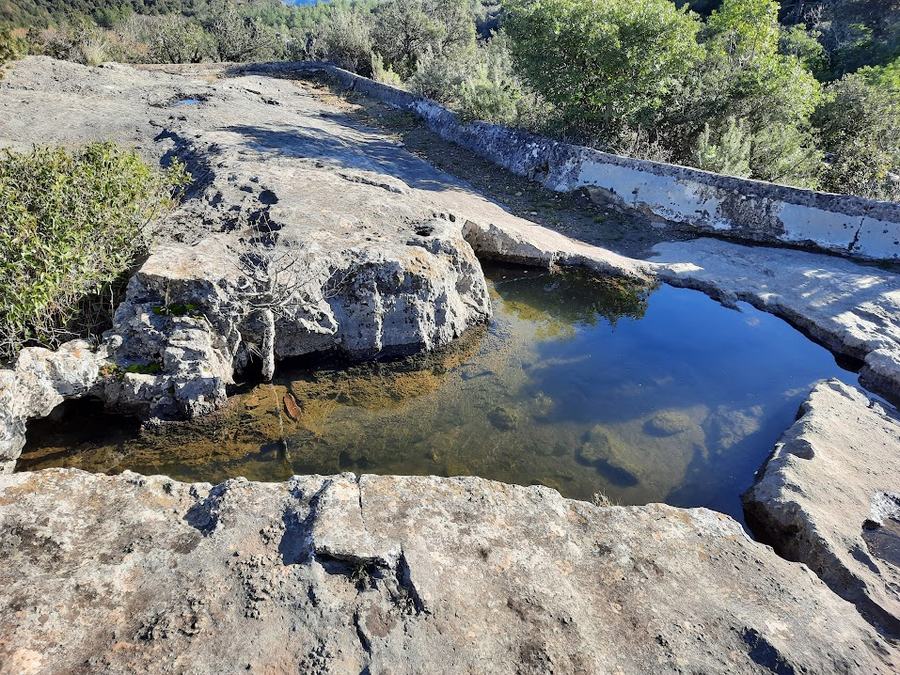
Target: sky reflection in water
{"type": "Point", "coordinates": [580, 384]}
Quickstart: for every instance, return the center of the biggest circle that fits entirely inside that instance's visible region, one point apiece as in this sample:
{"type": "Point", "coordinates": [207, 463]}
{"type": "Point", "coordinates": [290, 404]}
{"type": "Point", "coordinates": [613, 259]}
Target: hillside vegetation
{"type": "Point", "coordinates": [805, 94]}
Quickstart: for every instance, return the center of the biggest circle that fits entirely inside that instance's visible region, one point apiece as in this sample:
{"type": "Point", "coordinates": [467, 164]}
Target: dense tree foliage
{"type": "Point", "coordinates": [859, 125]}
{"type": "Point", "coordinates": [604, 64]}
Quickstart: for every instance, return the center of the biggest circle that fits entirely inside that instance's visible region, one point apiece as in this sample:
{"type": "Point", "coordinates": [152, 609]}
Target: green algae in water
{"type": "Point", "coordinates": [581, 384]}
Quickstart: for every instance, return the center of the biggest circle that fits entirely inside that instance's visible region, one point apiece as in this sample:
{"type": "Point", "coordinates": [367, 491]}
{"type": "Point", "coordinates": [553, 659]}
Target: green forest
{"type": "Point", "coordinates": [804, 94]}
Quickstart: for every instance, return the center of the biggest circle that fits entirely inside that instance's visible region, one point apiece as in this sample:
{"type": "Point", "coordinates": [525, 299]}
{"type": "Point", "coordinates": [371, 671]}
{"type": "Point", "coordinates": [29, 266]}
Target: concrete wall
{"type": "Point", "coordinates": [689, 198]}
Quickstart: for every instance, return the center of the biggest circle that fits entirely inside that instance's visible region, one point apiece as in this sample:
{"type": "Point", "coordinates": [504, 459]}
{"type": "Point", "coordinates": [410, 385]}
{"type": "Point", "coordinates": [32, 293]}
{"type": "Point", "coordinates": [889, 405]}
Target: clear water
{"type": "Point", "coordinates": [580, 384]}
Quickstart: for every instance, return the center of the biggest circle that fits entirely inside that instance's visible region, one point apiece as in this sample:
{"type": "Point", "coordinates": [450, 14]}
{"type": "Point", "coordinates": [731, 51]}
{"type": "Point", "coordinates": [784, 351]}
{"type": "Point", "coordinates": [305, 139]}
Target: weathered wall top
{"type": "Point", "coordinates": [702, 201]}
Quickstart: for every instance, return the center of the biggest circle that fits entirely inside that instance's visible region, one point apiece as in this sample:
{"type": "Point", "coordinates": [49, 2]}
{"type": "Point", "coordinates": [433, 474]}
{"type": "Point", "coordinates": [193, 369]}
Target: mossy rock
{"type": "Point", "coordinates": [504, 419]}
{"type": "Point", "coordinates": [597, 447]}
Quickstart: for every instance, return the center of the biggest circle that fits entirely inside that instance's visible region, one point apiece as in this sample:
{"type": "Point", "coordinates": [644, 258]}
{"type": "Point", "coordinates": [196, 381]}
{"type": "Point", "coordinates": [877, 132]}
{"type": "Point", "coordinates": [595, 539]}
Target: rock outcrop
{"type": "Point", "coordinates": [830, 497]}
{"type": "Point", "coordinates": [40, 380]}
{"type": "Point", "coordinates": [389, 574]}
{"type": "Point", "coordinates": [303, 232]}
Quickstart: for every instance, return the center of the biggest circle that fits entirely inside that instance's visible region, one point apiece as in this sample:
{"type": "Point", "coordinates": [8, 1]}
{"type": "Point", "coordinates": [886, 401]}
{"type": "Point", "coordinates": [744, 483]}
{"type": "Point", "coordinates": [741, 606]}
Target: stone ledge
{"type": "Point", "coordinates": [830, 491]}
{"type": "Point", "coordinates": [399, 574]}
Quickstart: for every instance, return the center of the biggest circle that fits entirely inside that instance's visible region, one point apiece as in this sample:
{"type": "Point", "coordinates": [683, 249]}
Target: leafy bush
{"type": "Point", "coordinates": [645, 78]}
{"type": "Point", "coordinates": [71, 224]}
{"type": "Point", "coordinates": [786, 154]}
{"type": "Point", "coordinates": [405, 31]}
{"type": "Point", "coordinates": [345, 39]}
{"type": "Point", "coordinates": [383, 73]}
{"type": "Point", "coordinates": [174, 39]}
{"type": "Point", "coordinates": [439, 78]}
{"type": "Point", "coordinates": [725, 150]}
{"type": "Point", "coordinates": [859, 126]}
{"type": "Point", "coordinates": [744, 76]}
{"type": "Point", "coordinates": [603, 64]}
{"type": "Point", "coordinates": [12, 47]}
{"type": "Point", "coordinates": [239, 37]}
{"type": "Point", "coordinates": [78, 41]}
{"type": "Point", "coordinates": [480, 83]}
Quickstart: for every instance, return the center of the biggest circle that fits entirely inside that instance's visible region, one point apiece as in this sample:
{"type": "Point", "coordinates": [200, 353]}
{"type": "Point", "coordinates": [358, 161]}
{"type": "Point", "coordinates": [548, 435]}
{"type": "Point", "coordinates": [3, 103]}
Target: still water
{"type": "Point", "coordinates": [581, 384]}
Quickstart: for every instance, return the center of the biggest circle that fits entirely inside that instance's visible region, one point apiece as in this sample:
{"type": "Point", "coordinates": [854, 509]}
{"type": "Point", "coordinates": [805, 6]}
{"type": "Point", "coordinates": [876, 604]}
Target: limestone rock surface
{"type": "Point", "coordinates": [390, 574]}
{"type": "Point", "coordinates": [40, 380]}
{"type": "Point", "coordinates": [830, 497]}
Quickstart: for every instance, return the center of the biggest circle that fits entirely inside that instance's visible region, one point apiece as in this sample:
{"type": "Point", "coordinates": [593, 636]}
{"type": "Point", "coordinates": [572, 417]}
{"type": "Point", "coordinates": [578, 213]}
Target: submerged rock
{"type": "Point", "coordinates": [504, 418]}
{"type": "Point", "coordinates": [833, 479]}
{"type": "Point", "coordinates": [379, 574]}
{"type": "Point", "coordinates": [669, 423]}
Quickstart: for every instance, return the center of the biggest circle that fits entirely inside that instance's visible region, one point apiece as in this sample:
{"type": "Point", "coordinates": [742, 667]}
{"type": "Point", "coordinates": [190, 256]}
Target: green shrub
{"type": "Point", "coordinates": [406, 31]}
{"type": "Point", "coordinates": [382, 73]}
{"type": "Point", "coordinates": [71, 223]}
{"type": "Point", "coordinates": [725, 150]}
{"type": "Point", "coordinates": [345, 39]}
{"type": "Point", "coordinates": [859, 127]}
{"type": "Point", "coordinates": [786, 154]}
{"type": "Point", "coordinates": [480, 83]}
{"type": "Point", "coordinates": [12, 47]}
{"type": "Point", "coordinates": [603, 64]}
{"type": "Point", "coordinates": [174, 39]}
{"type": "Point", "coordinates": [236, 36]}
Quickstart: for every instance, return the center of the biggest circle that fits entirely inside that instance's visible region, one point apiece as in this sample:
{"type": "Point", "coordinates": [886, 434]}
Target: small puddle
{"type": "Point", "coordinates": [187, 101]}
{"type": "Point", "coordinates": [581, 384]}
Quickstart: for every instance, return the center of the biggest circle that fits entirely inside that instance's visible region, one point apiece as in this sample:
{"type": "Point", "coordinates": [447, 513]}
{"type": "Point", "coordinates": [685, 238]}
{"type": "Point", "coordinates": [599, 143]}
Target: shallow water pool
{"type": "Point", "coordinates": [581, 384]}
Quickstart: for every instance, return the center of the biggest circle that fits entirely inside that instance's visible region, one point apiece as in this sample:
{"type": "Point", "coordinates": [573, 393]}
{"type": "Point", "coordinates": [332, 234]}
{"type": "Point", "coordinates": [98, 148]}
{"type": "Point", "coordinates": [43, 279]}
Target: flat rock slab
{"type": "Point", "coordinates": [392, 574]}
{"type": "Point", "coordinates": [830, 497]}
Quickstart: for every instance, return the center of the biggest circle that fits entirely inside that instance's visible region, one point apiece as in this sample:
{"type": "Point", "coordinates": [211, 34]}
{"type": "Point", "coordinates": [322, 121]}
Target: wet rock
{"type": "Point", "coordinates": [833, 478]}
{"type": "Point", "coordinates": [542, 406]}
{"type": "Point", "coordinates": [729, 426]}
{"type": "Point", "coordinates": [669, 423]}
{"type": "Point", "coordinates": [379, 574]}
{"type": "Point", "coordinates": [608, 455]}
{"type": "Point", "coordinates": [40, 380]}
{"type": "Point", "coordinates": [503, 418]}
{"type": "Point", "coordinates": [596, 447]}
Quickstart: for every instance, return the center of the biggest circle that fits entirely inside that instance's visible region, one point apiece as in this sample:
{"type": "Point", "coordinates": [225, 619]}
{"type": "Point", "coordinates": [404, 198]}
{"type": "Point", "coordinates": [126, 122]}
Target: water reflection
{"type": "Point", "coordinates": [581, 384]}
